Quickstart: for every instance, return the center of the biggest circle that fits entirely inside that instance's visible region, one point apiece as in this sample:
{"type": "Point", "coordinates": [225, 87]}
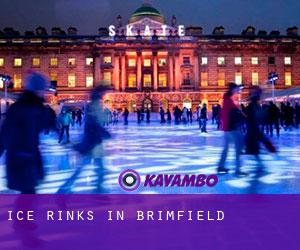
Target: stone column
{"type": "Point", "coordinates": [177, 72]}
{"type": "Point", "coordinates": [123, 74]}
{"type": "Point", "coordinates": [155, 71]}
{"type": "Point", "coordinates": [171, 71]}
{"type": "Point", "coordinates": [196, 70]}
{"type": "Point", "coordinates": [139, 70]}
{"type": "Point", "coordinates": [97, 69]}
{"type": "Point", "coordinates": [116, 77]}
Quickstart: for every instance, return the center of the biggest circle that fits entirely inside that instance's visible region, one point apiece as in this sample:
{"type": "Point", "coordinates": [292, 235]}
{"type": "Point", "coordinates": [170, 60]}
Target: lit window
{"type": "Point", "coordinates": [147, 80]}
{"type": "Point", "coordinates": [221, 78]}
{"type": "Point", "coordinates": [17, 81]}
{"type": "Point", "coordinates": [147, 62]}
{"type": "Point", "coordinates": [162, 80]}
{"type": "Point", "coordinates": [287, 61]}
{"type": "Point", "coordinates": [107, 60]}
{"type": "Point", "coordinates": [132, 80]}
{"type": "Point", "coordinates": [221, 60]}
{"type": "Point", "coordinates": [89, 61]}
{"type": "Point", "coordinates": [131, 62]}
{"type": "Point", "coordinates": [238, 60]}
{"type": "Point", "coordinates": [36, 62]}
{"type": "Point", "coordinates": [204, 79]}
{"type": "Point", "coordinates": [255, 78]}
{"type": "Point", "coordinates": [18, 62]}
{"type": "Point", "coordinates": [71, 61]}
{"type": "Point", "coordinates": [254, 60]}
{"type": "Point", "coordinates": [238, 78]}
{"type": "Point", "coordinates": [89, 80]}
{"type": "Point", "coordinates": [288, 78]}
{"type": "Point", "coordinates": [107, 78]}
{"type": "Point", "coordinates": [186, 60]}
{"type": "Point", "coordinates": [71, 80]}
{"type": "Point", "coordinates": [53, 76]}
{"type": "Point", "coordinates": [1, 62]}
{"type": "Point", "coordinates": [204, 61]}
{"type": "Point", "coordinates": [162, 62]}
{"type": "Point", "coordinates": [54, 62]}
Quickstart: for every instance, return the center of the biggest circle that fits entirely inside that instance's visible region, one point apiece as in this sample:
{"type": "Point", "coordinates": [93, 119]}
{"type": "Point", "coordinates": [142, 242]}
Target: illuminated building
{"type": "Point", "coordinates": [164, 68]}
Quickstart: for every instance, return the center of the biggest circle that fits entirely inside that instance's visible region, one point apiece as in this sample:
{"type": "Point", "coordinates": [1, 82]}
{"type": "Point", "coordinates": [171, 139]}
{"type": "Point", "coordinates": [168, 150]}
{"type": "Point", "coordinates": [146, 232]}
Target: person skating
{"type": "Point", "coordinates": [169, 117]}
{"type": "Point", "coordinates": [79, 115]}
{"type": "Point", "coordinates": [274, 118]}
{"type": "Point", "coordinates": [95, 133]}
{"type": "Point", "coordinates": [231, 120]}
{"type": "Point", "coordinates": [297, 114]}
{"type": "Point", "coordinates": [65, 120]}
{"type": "Point", "coordinates": [162, 115]}
{"type": "Point", "coordinates": [19, 136]}
{"type": "Point", "coordinates": [148, 115]}
{"type": "Point", "coordinates": [203, 118]}
{"type": "Point", "coordinates": [126, 114]}
{"type": "Point", "coordinates": [254, 135]}
{"type": "Point", "coordinates": [138, 112]}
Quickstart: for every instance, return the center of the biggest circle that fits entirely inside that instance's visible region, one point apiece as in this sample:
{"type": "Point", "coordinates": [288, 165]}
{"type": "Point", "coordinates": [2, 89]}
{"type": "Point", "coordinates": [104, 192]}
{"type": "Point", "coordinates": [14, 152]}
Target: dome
{"type": "Point", "coordinates": [146, 10]}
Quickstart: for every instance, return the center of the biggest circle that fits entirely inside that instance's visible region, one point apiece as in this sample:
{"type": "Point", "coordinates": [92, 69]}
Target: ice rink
{"type": "Point", "coordinates": [165, 149]}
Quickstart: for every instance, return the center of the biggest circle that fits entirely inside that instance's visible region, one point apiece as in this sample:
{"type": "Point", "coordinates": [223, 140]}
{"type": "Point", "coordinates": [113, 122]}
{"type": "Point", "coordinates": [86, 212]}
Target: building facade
{"type": "Point", "coordinates": [147, 63]}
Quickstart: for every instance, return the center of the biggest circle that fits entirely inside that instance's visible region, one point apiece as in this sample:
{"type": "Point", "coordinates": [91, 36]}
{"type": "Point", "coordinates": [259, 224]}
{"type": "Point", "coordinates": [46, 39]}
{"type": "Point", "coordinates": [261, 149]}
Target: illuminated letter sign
{"type": "Point", "coordinates": [131, 31]}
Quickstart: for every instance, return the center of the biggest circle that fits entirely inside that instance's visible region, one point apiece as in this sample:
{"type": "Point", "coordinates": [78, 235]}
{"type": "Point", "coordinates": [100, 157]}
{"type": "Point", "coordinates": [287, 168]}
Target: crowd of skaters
{"type": "Point", "coordinates": [245, 128]}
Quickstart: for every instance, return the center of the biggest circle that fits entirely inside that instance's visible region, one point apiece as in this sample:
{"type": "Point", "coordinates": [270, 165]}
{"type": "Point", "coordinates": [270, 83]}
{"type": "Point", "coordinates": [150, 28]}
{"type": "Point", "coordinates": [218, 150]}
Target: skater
{"type": "Point", "coordinates": [19, 136]}
{"type": "Point", "coordinates": [203, 118]}
{"type": "Point", "coordinates": [274, 119]}
{"type": "Point", "coordinates": [254, 135]}
{"type": "Point", "coordinates": [138, 112]}
{"type": "Point", "coordinates": [177, 114]}
{"type": "Point", "coordinates": [73, 117]}
{"type": "Point", "coordinates": [232, 118]}
{"type": "Point", "coordinates": [148, 115]}
{"type": "Point", "coordinates": [126, 114]}
{"type": "Point", "coordinates": [297, 114]}
{"type": "Point", "coordinates": [94, 134]}
{"type": "Point", "coordinates": [65, 120]}
{"type": "Point", "coordinates": [162, 115]}
{"type": "Point", "coordinates": [169, 117]}
{"type": "Point", "coordinates": [191, 115]}
{"type": "Point", "coordinates": [79, 115]}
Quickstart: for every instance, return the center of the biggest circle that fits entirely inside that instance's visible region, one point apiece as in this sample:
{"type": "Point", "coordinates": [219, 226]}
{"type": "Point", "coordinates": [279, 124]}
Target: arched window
{"type": "Point", "coordinates": [187, 103]}
{"type": "Point", "coordinates": [164, 103]}
{"type": "Point", "coordinates": [131, 105]}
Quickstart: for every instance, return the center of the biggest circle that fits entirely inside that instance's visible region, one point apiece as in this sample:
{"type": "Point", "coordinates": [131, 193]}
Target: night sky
{"type": "Point", "coordinates": [89, 15]}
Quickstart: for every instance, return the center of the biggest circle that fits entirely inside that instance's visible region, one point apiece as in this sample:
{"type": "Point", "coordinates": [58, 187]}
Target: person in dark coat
{"type": "Point", "coordinates": [169, 117]}
{"type": "Point", "coordinates": [289, 116]}
{"type": "Point", "coordinates": [138, 112]}
{"type": "Point", "coordinates": [79, 114]}
{"type": "Point", "coordinates": [177, 114]}
{"type": "Point", "coordinates": [203, 118]}
{"type": "Point", "coordinates": [254, 135]}
{"type": "Point", "coordinates": [191, 115]}
{"type": "Point", "coordinates": [148, 115]}
{"type": "Point", "coordinates": [274, 118]}
{"type": "Point", "coordinates": [162, 115]}
{"type": "Point", "coordinates": [297, 114]}
{"type": "Point", "coordinates": [126, 114]}
{"type": "Point", "coordinates": [19, 136]}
